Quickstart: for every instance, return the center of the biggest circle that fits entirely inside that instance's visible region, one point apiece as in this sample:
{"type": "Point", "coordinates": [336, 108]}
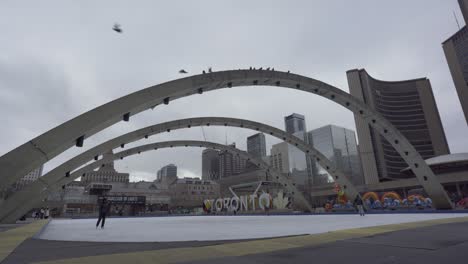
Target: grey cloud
{"type": "Point", "coordinates": [32, 96]}
{"type": "Point", "coordinates": [70, 49]}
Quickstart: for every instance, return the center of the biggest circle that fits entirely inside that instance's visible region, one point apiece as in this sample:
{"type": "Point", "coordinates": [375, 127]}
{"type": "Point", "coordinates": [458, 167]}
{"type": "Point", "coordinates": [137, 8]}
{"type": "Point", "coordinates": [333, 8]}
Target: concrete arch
{"type": "Point", "coordinates": [52, 177]}
{"type": "Point", "coordinates": [14, 209]}
{"type": "Point", "coordinates": [32, 154]}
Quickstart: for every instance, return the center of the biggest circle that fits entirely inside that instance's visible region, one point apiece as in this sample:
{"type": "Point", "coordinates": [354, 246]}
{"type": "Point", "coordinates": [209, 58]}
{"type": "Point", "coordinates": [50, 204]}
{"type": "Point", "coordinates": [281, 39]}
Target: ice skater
{"type": "Point", "coordinates": [103, 210]}
{"type": "Point", "coordinates": [358, 203]}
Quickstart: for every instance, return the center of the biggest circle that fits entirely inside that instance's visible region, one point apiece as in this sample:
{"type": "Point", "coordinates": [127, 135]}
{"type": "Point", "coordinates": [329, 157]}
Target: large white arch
{"type": "Point", "coordinates": [32, 154]}
{"type": "Point", "coordinates": [15, 208]}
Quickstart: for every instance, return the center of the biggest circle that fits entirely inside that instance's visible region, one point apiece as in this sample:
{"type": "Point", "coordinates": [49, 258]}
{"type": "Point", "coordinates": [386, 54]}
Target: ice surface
{"type": "Point", "coordinates": [206, 228]}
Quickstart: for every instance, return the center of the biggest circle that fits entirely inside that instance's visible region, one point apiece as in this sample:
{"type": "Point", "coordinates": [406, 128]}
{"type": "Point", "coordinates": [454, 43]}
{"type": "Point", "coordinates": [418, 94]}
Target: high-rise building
{"type": "Point", "coordinates": [456, 53]}
{"type": "Point", "coordinates": [256, 145]}
{"type": "Point", "coordinates": [288, 159]}
{"type": "Point", "coordinates": [411, 108]}
{"type": "Point", "coordinates": [230, 164]}
{"type": "Point", "coordinates": [295, 124]}
{"type": "Point", "coordinates": [105, 173]}
{"type": "Point", "coordinates": [339, 145]}
{"type": "Point", "coordinates": [169, 170]}
{"type": "Point", "coordinates": [210, 164]}
{"type": "Point", "coordinates": [464, 9]}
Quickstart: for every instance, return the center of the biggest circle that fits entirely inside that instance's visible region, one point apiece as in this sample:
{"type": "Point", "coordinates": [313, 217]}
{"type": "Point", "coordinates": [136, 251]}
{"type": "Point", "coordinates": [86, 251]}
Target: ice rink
{"type": "Point", "coordinates": [206, 228]}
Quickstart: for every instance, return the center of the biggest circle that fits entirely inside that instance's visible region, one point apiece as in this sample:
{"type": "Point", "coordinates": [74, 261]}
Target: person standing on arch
{"type": "Point", "coordinates": [103, 210]}
{"type": "Point", "coordinates": [358, 203]}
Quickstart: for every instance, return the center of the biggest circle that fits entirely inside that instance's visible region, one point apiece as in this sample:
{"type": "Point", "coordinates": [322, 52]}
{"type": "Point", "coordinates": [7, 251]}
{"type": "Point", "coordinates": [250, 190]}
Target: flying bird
{"type": "Point", "coordinates": [117, 28]}
{"type": "Point", "coordinates": [182, 71]}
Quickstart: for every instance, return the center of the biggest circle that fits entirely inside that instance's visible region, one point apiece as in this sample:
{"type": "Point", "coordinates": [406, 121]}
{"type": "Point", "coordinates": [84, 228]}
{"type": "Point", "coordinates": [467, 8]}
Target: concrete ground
{"type": "Point", "coordinates": [433, 241]}
{"type": "Point", "coordinates": [447, 243]}
{"type": "Point", "coordinates": [14, 235]}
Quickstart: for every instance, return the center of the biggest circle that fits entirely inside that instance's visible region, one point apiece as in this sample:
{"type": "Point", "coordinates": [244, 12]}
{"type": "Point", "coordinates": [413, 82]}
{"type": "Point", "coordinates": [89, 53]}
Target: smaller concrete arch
{"type": "Point", "coordinates": [14, 208]}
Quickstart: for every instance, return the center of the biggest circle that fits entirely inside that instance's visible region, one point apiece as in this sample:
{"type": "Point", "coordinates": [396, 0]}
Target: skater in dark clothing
{"type": "Point", "coordinates": [103, 210]}
{"type": "Point", "coordinates": [359, 204]}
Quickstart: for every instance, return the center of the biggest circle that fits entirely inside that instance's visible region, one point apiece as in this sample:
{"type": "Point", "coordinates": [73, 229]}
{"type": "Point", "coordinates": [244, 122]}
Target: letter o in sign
{"type": "Point", "coordinates": [235, 204]}
{"type": "Point", "coordinates": [264, 201]}
{"type": "Point", "coordinates": [219, 205]}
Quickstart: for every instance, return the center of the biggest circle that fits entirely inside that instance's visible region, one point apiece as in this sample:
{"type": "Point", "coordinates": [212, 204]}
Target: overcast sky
{"type": "Point", "coordinates": [59, 59]}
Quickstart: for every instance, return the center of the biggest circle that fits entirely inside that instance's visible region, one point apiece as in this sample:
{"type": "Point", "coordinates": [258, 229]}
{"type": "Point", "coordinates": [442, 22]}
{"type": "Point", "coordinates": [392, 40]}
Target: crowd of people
{"type": "Point", "coordinates": [42, 213]}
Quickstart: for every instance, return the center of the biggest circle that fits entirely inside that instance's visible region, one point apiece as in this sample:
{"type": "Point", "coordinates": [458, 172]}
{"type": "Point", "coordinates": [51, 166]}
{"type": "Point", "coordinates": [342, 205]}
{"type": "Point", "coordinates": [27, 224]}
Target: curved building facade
{"type": "Point", "coordinates": [456, 53]}
{"type": "Point", "coordinates": [408, 105]}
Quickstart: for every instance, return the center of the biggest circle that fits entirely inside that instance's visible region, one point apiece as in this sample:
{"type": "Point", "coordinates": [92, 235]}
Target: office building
{"type": "Point", "coordinates": [339, 145]}
{"type": "Point", "coordinates": [230, 164]}
{"type": "Point", "coordinates": [105, 173]}
{"type": "Point", "coordinates": [256, 145]}
{"type": "Point", "coordinates": [464, 9]}
{"type": "Point", "coordinates": [191, 192]}
{"type": "Point", "coordinates": [295, 124]}
{"type": "Point", "coordinates": [210, 164]}
{"type": "Point", "coordinates": [167, 171]}
{"type": "Point", "coordinates": [411, 108]}
{"type": "Point", "coordinates": [290, 160]}
{"type": "Point", "coordinates": [456, 53]}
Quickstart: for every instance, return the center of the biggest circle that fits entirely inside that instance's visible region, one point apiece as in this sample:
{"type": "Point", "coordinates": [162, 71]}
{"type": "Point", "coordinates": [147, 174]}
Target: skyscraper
{"type": "Point", "coordinates": [411, 108]}
{"type": "Point", "coordinates": [167, 171]}
{"type": "Point", "coordinates": [210, 164]}
{"type": "Point", "coordinates": [295, 124]}
{"type": "Point", "coordinates": [339, 145]}
{"type": "Point", "coordinates": [256, 145]}
{"type": "Point", "coordinates": [230, 164]}
{"type": "Point", "coordinates": [456, 53]}
{"type": "Point", "coordinates": [464, 9]}
{"type": "Point", "coordinates": [291, 160]}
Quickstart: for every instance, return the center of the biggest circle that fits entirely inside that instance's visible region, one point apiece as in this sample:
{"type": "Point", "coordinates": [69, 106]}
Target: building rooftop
{"type": "Point", "coordinates": [187, 180]}
{"type": "Point", "coordinates": [449, 158]}
{"type": "Point", "coordinates": [445, 160]}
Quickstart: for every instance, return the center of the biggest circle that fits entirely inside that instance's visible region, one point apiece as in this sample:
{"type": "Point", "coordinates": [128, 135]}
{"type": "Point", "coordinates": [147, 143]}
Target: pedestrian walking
{"type": "Point", "coordinates": [103, 210]}
{"type": "Point", "coordinates": [46, 213]}
{"type": "Point", "coordinates": [42, 212]}
{"type": "Point", "coordinates": [359, 204]}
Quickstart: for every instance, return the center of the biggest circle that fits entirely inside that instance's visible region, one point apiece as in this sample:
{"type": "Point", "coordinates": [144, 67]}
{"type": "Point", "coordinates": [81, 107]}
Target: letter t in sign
{"type": "Point", "coordinates": [252, 198]}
